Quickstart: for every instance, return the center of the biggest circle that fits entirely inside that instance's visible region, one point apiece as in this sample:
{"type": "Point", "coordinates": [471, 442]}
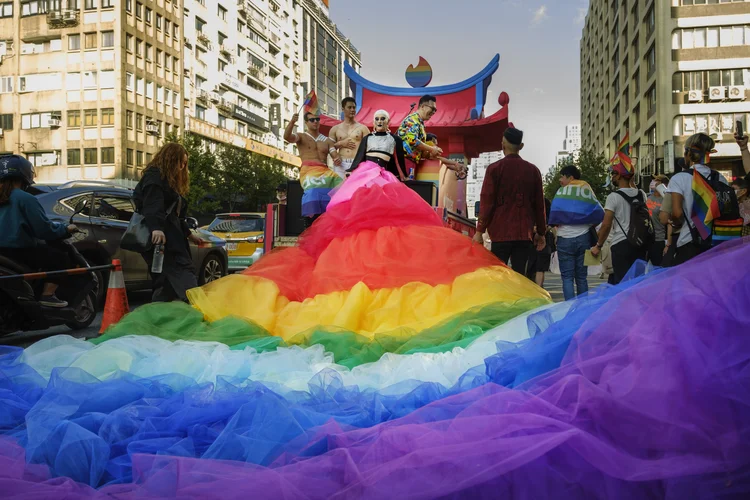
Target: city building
{"type": "Point", "coordinates": [87, 89]}
{"type": "Point", "coordinates": [325, 50]}
{"type": "Point", "coordinates": [572, 141]}
{"type": "Point", "coordinates": [242, 72]}
{"type": "Point", "coordinates": [477, 172]}
{"type": "Point", "coordinates": [664, 71]}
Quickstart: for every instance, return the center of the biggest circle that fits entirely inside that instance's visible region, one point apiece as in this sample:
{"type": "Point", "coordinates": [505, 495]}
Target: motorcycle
{"type": "Point", "coordinates": [20, 309]}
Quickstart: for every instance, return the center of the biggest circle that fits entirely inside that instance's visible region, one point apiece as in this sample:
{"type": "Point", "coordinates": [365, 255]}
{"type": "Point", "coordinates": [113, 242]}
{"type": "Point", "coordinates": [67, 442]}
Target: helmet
{"type": "Point", "coordinates": [16, 167]}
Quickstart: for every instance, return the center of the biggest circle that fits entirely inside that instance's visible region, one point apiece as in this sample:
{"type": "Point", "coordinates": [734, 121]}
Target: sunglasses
{"type": "Point", "coordinates": [313, 120]}
{"type": "Point", "coordinates": [380, 118]}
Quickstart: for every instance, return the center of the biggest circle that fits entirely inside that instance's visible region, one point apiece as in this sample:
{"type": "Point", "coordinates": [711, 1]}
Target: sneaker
{"type": "Point", "coordinates": [52, 301]}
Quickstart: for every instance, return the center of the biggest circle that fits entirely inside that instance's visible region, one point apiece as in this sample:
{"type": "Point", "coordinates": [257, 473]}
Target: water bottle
{"type": "Point", "coordinates": [411, 174]}
{"type": "Point", "coordinates": [158, 263]}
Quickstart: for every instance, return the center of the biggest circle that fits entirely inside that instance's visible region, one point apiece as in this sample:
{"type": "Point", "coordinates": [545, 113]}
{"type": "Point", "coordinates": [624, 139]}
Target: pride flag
{"type": "Point", "coordinates": [622, 155]}
{"type": "Point", "coordinates": [311, 104]}
{"type": "Point", "coordinates": [576, 204]}
{"type": "Point", "coordinates": [705, 205]}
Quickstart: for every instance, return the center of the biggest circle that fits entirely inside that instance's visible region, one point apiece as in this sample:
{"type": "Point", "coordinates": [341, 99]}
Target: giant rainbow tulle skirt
{"type": "Point", "coordinates": [389, 357]}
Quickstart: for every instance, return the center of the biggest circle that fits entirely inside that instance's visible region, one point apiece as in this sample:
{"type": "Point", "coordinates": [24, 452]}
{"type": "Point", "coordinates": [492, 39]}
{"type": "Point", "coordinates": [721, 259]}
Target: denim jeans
{"type": "Point", "coordinates": [570, 254]}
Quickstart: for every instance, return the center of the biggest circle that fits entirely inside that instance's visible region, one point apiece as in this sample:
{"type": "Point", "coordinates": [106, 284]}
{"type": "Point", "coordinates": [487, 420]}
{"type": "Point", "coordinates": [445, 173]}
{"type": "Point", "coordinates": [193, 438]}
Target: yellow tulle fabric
{"type": "Point", "coordinates": [416, 306]}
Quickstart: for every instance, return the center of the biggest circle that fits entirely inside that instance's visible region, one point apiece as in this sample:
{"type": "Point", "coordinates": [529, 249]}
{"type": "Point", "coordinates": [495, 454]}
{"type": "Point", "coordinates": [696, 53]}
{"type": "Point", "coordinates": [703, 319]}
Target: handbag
{"type": "Point", "coordinates": [137, 237]}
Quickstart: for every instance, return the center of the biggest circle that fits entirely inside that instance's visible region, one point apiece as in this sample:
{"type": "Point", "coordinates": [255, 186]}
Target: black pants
{"type": "Point", "coordinates": [42, 257]}
{"type": "Point", "coordinates": [309, 220]}
{"type": "Point", "coordinates": [685, 253]}
{"type": "Point", "coordinates": [177, 277]}
{"type": "Point", "coordinates": [624, 256]}
{"type": "Point", "coordinates": [656, 253]}
{"type": "Point", "coordinates": [518, 252]}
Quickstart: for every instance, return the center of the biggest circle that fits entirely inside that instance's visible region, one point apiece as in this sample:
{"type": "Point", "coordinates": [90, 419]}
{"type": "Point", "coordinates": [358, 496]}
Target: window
{"type": "Point", "coordinates": [158, 22]}
{"type": "Point", "coordinates": [89, 40]}
{"type": "Point", "coordinates": [6, 9]}
{"type": "Point", "coordinates": [149, 52]}
{"type": "Point", "coordinates": [637, 82]}
{"type": "Point", "coordinates": [108, 39]}
{"type": "Point", "coordinates": [129, 157]}
{"type": "Point", "coordinates": [6, 122]}
{"type": "Point", "coordinates": [139, 85]}
{"type": "Point", "coordinates": [139, 122]}
{"type": "Point", "coordinates": [129, 43]}
{"type": "Point", "coordinates": [89, 4]}
{"type": "Point", "coordinates": [44, 159]}
{"type": "Point", "coordinates": [159, 93]}
{"type": "Point", "coordinates": [74, 42]}
{"type": "Point", "coordinates": [222, 121]}
{"type": "Point", "coordinates": [651, 60]}
{"type": "Point", "coordinates": [637, 118]}
{"type": "Point", "coordinates": [167, 62]}
{"type": "Point", "coordinates": [650, 22]}
{"type": "Point", "coordinates": [108, 116]}
{"type": "Point", "coordinates": [175, 65]}
{"type": "Point", "coordinates": [40, 82]}
{"type": "Point", "coordinates": [222, 65]}
{"type": "Point", "coordinates": [200, 112]}
{"type": "Point", "coordinates": [6, 84]}
{"type": "Point", "coordinates": [129, 5]}
{"type": "Point", "coordinates": [74, 157]}
{"type": "Point", "coordinates": [107, 79]}
{"type": "Point", "coordinates": [148, 15]}
{"type": "Point", "coordinates": [241, 128]}
{"type": "Point", "coordinates": [222, 13]}
{"type": "Point", "coordinates": [74, 118]}
{"type": "Point", "coordinates": [139, 158]}
{"type": "Point", "coordinates": [129, 81]}
{"type": "Point", "coordinates": [90, 156]}
{"type": "Point", "coordinates": [108, 155]}
{"type": "Point", "coordinates": [159, 57]}
{"type": "Point", "coordinates": [711, 37]}
{"type": "Point", "coordinates": [167, 26]}
{"type": "Point", "coordinates": [33, 7]}
{"type": "Point", "coordinates": [199, 24]}
{"type": "Point", "coordinates": [138, 10]}
{"type": "Point", "coordinates": [113, 208]}
{"type": "Point", "coordinates": [149, 156]}
{"type": "Point", "coordinates": [651, 97]}
{"type": "Point", "coordinates": [89, 118]}
{"type": "Point", "coordinates": [129, 119]}
{"type": "Point", "coordinates": [37, 120]}
{"type": "Point", "coordinates": [138, 47]}
{"type": "Point", "coordinates": [176, 31]}
{"type": "Point", "coordinates": [149, 90]}
{"type": "Point", "coordinates": [108, 4]}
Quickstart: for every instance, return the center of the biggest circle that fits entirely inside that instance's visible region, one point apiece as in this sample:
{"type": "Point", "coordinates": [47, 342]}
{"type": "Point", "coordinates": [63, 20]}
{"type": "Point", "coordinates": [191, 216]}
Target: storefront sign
{"type": "Point", "coordinates": [251, 118]}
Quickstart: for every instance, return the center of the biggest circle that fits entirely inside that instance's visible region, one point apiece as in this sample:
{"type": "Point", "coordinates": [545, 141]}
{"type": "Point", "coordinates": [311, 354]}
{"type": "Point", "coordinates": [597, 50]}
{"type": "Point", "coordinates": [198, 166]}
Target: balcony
{"type": "Point", "coordinates": [274, 43]}
{"type": "Point", "coordinates": [258, 24]}
{"type": "Point", "coordinates": [258, 74]}
{"type": "Point", "coordinates": [243, 7]}
{"type": "Point", "coordinates": [64, 18]}
{"type": "Point", "coordinates": [202, 95]}
{"type": "Point", "coordinates": [203, 38]}
{"type": "Point", "coordinates": [226, 50]}
{"type": "Point", "coordinates": [225, 105]}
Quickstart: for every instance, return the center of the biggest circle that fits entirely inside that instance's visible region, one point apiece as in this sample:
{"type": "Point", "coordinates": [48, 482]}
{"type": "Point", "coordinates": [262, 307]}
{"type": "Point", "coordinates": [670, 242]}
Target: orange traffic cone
{"type": "Point", "coordinates": [116, 305]}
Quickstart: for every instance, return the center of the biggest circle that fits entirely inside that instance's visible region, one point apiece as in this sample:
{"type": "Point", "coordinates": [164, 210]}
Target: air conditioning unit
{"type": "Point", "coordinates": [214, 97]}
{"type": "Point", "coordinates": [70, 15]}
{"type": "Point", "coordinates": [717, 93]}
{"type": "Point", "coordinates": [54, 123]}
{"type": "Point", "coordinates": [55, 15]}
{"type": "Point", "coordinates": [737, 92]}
{"type": "Point", "coordinates": [695, 96]}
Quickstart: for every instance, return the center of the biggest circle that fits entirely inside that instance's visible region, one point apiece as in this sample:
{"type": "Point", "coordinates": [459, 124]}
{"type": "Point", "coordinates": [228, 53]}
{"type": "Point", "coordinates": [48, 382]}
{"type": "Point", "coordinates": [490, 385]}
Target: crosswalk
{"type": "Point", "coordinates": [553, 284]}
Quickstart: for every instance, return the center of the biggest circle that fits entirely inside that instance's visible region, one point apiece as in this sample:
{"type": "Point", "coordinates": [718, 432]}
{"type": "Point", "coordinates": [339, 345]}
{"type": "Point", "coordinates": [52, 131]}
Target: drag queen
{"type": "Point", "coordinates": [379, 161]}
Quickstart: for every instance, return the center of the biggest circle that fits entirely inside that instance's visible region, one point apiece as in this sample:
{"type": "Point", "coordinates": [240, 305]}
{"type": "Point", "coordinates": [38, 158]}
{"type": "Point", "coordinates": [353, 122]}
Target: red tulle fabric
{"type": "Point", "coordinates": [344, 247]}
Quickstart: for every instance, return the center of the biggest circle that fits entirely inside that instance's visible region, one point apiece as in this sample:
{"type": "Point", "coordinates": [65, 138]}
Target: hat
{"type": "Point", "coordinates": [513, 136]}
{"type": "Point", "coordinates": [621, 169]}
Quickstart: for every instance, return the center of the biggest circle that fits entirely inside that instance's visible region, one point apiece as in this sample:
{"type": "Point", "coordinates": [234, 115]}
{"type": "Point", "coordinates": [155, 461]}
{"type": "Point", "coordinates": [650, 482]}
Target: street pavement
{"type": "Point", "coordinates": [552, 283]}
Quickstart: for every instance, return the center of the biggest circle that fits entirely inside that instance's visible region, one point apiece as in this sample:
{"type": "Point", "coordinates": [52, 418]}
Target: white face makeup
{"type": "Point", "coordinates": [380, 123]}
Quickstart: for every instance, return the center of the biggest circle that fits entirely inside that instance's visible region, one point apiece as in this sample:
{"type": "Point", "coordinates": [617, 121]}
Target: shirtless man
{"type": "Point", "coordinates": [347, 135]}
{"type": "Point", "coordinates": [315, 176]}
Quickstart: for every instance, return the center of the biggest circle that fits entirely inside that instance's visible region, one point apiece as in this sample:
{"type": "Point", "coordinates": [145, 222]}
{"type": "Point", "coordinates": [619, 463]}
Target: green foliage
{"type": "Point", "coordinates": [593, 167]}
{"type": "Point", "coordinates": [229, 177]}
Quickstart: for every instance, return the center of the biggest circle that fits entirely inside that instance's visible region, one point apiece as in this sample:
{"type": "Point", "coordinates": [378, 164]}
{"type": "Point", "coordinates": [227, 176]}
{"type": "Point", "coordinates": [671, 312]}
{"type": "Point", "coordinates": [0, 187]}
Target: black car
{"type": "Point", "coordinates": [103, 223]}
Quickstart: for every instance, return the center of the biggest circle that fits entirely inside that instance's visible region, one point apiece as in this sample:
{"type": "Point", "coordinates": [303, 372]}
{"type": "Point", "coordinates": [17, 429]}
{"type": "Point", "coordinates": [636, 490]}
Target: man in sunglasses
{"type": "Point", "coordinates": [347, 136]}
{"type": "Point", "coordinates": [315, 176]}
{"type": "Point", "coordinates": [413, 134]}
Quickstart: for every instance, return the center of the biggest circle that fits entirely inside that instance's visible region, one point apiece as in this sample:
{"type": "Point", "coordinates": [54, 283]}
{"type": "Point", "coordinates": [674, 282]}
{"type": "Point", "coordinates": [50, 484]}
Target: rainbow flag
{"type": "Point", "coordinates": [311, 104]}
{"type": "Point", "coordinates": [576, 204]}
{"type": "Point", "coordinates": [623, 154]}
{"type": "Point", "coordinates": [705, 205]}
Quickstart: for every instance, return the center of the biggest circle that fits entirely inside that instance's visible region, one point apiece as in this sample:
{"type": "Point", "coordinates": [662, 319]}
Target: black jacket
{"type": "Point", "coordinates": [153, 198]}
{"type": "Point", "coordinates": [398, 154]}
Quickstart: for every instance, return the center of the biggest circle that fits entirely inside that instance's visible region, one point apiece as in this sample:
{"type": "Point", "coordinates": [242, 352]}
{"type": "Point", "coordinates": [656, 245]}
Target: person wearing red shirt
{"type": "Point", "coordinates": [511, 206]}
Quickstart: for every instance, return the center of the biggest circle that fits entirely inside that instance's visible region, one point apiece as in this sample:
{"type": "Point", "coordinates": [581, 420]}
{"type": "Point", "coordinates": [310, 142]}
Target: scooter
{"type": "Point", "coordinates": [20, 309]}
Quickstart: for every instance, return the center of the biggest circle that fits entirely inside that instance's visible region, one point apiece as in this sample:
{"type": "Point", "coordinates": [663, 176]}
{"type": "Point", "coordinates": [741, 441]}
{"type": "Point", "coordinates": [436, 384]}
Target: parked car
{"type": "Point", "coordinates": [104, 221]}
{"type": "Point", "coordinates": [244, 234]}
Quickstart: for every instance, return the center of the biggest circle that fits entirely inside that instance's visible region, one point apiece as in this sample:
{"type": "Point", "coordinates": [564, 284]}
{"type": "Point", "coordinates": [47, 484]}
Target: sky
{"type": "Point", "coordinates": [538, 43]}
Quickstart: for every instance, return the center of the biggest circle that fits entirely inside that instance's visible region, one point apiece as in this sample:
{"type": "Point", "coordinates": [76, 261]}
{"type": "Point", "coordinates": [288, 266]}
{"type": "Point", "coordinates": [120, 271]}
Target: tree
{"type": "Point", "coordinates": [202, 166]}
{"type": "Point", "coordinates": [248, 180]}
{"type": "Point", "coordinates": [593, 167]}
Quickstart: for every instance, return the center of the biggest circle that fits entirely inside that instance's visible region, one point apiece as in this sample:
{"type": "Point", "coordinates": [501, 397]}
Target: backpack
{"type": "Point", "coordinates": [641, 231]}
{"type": "Point", "coordinates": [729, 224]}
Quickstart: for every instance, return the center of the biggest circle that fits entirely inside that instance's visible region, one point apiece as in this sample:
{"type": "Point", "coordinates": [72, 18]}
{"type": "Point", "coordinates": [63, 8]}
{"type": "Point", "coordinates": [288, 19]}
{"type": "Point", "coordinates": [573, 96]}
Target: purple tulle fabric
{"type": "Point", "coordinates": [652, 400]}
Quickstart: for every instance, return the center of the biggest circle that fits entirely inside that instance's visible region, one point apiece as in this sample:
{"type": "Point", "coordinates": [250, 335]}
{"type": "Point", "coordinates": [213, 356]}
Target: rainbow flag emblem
{"type": "Point", "coordinates": [705, 205]}
{"type": "Point", "coordinates": [622, 156]}
{"type": "Point", "coordinates": [419, 76]}
{"type": "Point", "coordinates": [311, 104]}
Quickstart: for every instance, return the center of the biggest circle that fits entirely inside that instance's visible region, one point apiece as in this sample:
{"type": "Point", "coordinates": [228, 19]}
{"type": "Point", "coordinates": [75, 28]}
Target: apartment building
{"type": "Point", "coordinates": [88, 87]}
{"type": "Point", "coordinates": [242, 71]}
{"type": "Point", "coordinates": [477, 172]}
{"type": "Point", "coordinates": [664, 70]}
{"type": "Point", "coordinates": [325, 50]}
{"type": "Point", "coordinates": [571, 144]}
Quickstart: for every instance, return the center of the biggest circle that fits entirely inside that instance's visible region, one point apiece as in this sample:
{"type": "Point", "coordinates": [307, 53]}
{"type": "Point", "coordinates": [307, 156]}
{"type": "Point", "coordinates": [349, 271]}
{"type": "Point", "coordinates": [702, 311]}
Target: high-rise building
{"type": "Point", "coordinates": [324, 51]}
{"type": "Point", "coordinates": [242, 71]}
{"type": "Point", "coordinates": [477, 172]}
{"type": "Point", "coordinates": [87, 89]}
{"type": "Point", "coordinates": [572, 141]}
{"type": "Point", "coordinates": [664, 71]}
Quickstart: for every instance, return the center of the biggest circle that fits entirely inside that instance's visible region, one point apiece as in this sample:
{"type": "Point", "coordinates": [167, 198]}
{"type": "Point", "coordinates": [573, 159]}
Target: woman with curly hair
{"type": "Point", "coordinates": [160, 198]}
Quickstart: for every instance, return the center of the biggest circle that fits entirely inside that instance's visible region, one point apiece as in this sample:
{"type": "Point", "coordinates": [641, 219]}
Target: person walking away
{"type": "Point", "coordinates": [626, 217]}
{"type": "Point", "coordinates": [160, 198]}
{"type": "Point", "coordinates": [26, 229]}
{"type": "Point", "coordinates": [655, 201]}
{"type": "Point", "coordinates": [703, 203]}
{"type": "Point", "coordinates": [511, 206]}
{"type": "Point", "coordinates": [576, 212]}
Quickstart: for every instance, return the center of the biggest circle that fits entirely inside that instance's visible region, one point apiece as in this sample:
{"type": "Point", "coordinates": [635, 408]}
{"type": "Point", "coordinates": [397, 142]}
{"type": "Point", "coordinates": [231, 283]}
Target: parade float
{"type": "Point", "coordinates": [463, 132]}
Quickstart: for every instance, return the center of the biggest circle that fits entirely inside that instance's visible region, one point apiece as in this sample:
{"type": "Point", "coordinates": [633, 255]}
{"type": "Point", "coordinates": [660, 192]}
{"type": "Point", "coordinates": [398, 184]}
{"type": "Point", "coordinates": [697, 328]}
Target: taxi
{"type": "Point", "coordinates": [244, 234]}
